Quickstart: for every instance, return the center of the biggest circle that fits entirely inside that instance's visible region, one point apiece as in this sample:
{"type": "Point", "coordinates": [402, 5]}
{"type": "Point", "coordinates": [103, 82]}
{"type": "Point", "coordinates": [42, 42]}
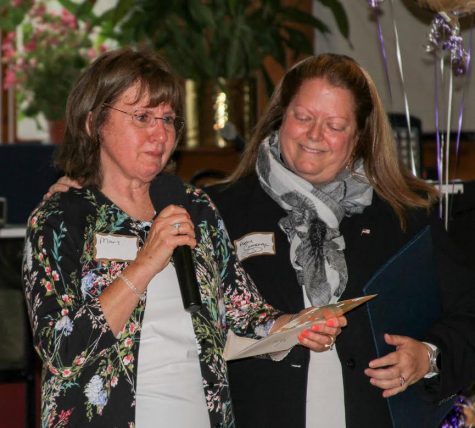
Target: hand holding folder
{"type": "Point", "coordinates": [408, 304]}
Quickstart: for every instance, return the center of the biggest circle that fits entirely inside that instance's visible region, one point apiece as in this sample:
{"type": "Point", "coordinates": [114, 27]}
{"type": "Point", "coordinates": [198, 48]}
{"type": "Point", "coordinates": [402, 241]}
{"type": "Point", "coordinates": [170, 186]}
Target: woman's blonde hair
{"type": "Point", "coordinates": [375, 143]}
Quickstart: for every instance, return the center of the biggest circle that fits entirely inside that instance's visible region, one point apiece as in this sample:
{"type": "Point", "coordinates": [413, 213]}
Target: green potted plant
{"type": "Point", "coordinates": [219, 47]}
{"type": "Point", "coordinates": [43, 57]}
{"type": "Point", "coordinates": [208, 39]}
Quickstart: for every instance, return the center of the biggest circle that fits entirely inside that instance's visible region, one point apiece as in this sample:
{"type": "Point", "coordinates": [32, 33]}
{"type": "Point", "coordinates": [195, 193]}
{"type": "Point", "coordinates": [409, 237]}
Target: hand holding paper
{"type": "Point", "coordinates": [287, 336]}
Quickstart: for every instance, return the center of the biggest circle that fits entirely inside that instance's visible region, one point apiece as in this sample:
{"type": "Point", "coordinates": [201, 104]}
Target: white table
{"type": "Point", "coordinates": [13, 231]}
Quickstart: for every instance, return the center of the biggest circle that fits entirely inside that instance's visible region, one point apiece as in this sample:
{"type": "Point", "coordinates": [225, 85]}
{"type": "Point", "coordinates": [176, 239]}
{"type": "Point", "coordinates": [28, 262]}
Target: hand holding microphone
{"type": "Point", "coordinates": [168, 190]}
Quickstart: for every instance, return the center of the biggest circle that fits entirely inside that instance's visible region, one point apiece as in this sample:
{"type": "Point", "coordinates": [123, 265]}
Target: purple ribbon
{"type": "Point", "coordinates": [375, 4]}
{"type": "Point", "coordinates": [437, 132]}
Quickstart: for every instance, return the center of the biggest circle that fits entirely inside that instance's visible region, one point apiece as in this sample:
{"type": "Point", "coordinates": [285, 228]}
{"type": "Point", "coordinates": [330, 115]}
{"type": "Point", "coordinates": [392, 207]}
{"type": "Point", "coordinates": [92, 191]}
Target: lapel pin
{"type": "Point", "coordinates": [365, 231]}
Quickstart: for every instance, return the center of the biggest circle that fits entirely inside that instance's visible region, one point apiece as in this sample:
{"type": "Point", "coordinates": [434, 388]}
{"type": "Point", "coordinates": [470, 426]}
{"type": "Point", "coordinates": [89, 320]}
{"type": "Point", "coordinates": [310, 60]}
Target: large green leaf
{"type": "Point", "coordinates": [298, 42]}
{"type": "Point", "coordinates": [201, 14]}
{"type": "Point", "coordinates": [213, 38]}
{"type": "Point", "coordinates": [293, 14]}
{"type": "Point", "coordinates": [341, 18]}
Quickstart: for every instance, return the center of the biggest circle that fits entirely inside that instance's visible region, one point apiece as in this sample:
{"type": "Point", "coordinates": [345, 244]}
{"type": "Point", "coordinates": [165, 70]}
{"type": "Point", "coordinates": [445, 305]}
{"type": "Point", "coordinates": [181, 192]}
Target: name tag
{"type": "Point", "coordinates": [255, 244]}
{"type": "Point", "coordinates": [115, 247]}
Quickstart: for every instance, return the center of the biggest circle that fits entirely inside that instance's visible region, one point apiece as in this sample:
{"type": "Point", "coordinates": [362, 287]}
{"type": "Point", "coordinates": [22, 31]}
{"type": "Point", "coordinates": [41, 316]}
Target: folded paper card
{"type": "Point", "coordinates": [287, 336]}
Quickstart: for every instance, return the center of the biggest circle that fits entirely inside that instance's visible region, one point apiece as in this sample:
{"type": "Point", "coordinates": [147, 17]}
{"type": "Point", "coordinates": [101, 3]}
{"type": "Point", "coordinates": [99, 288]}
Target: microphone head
{"type": "Point", "coordinates": [231, 135]}
{"type": "Point", "coordinates": [228, 131]}
{"type": "Point", "coordinates": [166, 189]}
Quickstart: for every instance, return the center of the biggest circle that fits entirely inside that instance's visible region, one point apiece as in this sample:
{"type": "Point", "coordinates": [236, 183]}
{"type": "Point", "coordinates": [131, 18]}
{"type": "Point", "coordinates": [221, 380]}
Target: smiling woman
{"type": "Point", "coordinates": [99, 276]}
{"type": "Point", "coordinates": [318, 132]}
{"type": "Point", "coordinates": [320, 183]}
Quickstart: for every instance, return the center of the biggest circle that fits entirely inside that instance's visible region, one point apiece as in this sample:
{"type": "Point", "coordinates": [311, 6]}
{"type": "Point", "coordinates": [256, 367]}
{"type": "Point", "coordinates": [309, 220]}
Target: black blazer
{"type": "Point", "coordinates": [270, 394]}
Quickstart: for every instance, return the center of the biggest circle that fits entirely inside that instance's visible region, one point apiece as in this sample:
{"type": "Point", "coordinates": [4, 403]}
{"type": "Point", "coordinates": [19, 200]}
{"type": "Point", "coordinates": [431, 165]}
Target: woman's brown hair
{"type": "Point", "coordinates": [103, 82]}
{"type": "Point", "coordinates": [375, 145]}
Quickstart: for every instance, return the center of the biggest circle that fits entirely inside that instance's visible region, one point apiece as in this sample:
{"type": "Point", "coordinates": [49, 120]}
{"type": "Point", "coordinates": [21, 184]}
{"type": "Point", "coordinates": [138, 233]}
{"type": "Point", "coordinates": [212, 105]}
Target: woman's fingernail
{"type": "Point", "coordinates": [331, 323]}
{"type": "Point", "coordinates": [315, 327]}
{"type": "Point", "coordinates": [304, 333]}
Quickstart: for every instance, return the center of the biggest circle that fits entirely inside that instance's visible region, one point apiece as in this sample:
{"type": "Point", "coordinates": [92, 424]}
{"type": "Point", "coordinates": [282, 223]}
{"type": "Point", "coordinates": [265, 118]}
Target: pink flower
{"type": "Point", "coordinates": [55, 276]}
{"type": "Point", "coordinates": [109, 369]}
{"type": "Point", "coordinates": [8, 51]}
{"type": "Point", "coordinates": [68, 19]}
{"type": "Point", "coordinates": [40, 10]}
{"type": "Point", "coordinates": [64, 415]}
{"type": "Point", "coordinates": [79, 361]}
{"type": "Point", "coordinates": [48, 270]}
{"type": "Point", "coordinates": [10, 79]}
{"type": "Point", "coordinates": [67, 372]}
{"type": "Point", "coordinates": [128, 359]}
{"type": "Point", "coordinates": [114, 381]}
{"type": "Point", "coordinates": [30, 46]}
{"type": "Point", "coordinates": [64, 312]}
{"type": "Point", "coordinates": [91, 53]}
{"type": "Point", "coordinates": [53, 370]}
{"type": "Point", "coordinates": [48, 286]}
{"type": "Point", "coordinates": [10, 36]}
{"type": "Point", "coordinates": [65, 297]}
{"type": "Point", "coordinates": [128, 342]}
{"type": "Point", "coordinates": [132, 327]}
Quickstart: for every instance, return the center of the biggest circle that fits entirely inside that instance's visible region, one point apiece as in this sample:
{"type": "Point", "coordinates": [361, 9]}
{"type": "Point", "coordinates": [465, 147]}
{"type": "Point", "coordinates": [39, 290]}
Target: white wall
{"type": "Point", "coordinates": [413, 26]}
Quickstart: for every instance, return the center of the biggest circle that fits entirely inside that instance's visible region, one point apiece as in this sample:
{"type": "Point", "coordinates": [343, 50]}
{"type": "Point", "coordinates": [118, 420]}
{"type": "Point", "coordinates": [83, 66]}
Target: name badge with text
{"type": "Point", "coordinates": [115, 247]}
{"type": "Point", "coordinates": [255, 244]}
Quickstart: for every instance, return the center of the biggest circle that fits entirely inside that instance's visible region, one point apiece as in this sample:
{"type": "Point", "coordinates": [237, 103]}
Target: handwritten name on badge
{"type": "Point", "coordinates": [255, 244]}
{"type": "Point", "coordinates": [115, 247]}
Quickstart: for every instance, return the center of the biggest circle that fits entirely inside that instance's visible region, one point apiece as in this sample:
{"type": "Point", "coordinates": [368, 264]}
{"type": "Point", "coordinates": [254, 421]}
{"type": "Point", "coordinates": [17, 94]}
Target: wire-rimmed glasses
{"type": "Point", "coordinates": [145, 119]}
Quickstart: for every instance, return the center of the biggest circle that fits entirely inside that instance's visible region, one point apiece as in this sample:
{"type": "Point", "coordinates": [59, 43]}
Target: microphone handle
{"type": "Point", "coordinates": [190, 292]}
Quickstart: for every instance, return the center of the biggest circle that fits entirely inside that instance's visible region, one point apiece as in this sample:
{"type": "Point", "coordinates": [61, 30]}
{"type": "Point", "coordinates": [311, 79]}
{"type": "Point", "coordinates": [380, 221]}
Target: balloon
{"type": "Point", "coordinates": [454, 7]}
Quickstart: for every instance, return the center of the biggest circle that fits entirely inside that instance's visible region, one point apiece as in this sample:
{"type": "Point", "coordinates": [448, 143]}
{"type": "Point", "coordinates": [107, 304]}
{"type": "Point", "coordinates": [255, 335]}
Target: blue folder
{"type": "Point", "coordinates": [408, 303]}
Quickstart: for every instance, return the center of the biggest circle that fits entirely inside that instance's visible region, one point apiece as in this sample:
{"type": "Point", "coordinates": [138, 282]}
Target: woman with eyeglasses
{"type": "Point", "coordinates": [117, 346]}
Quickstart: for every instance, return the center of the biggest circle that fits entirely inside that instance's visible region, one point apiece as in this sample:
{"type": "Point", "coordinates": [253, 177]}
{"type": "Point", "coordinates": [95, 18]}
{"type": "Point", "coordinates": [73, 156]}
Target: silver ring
{"type": "Point", "coordinates": [177, 226]}
{"type": "Point", "coordinates": [402, 380]}
{"type": "Point", "coordinates": [330, 345]}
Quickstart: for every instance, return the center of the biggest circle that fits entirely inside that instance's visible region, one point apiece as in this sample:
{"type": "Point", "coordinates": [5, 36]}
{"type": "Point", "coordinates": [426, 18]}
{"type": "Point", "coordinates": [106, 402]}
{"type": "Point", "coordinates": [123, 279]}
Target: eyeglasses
{"type": "Point", "coordinates": [145, 119]}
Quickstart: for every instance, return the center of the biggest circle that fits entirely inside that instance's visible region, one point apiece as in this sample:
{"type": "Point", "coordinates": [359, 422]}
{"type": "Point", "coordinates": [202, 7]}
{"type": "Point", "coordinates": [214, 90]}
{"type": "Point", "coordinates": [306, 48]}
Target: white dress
{"type": "Point", "coordinates": [169, 384]}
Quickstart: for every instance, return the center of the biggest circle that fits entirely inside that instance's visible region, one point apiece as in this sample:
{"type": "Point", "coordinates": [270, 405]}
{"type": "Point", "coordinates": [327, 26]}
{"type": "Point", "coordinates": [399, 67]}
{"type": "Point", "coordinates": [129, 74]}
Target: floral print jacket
{"type": "Point", "coordinates": [89, 375]}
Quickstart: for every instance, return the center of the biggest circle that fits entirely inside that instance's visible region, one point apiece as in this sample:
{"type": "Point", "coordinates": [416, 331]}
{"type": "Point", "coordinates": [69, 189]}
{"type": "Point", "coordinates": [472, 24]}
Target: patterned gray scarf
{"type": "Point", "coordinates": [313, 220]}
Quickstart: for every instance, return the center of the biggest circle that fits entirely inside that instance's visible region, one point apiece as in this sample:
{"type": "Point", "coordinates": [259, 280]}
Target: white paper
{"type": "Point", "coordinates": [255, 244]}
{"type": "Point", "coordinates": [287, 336]}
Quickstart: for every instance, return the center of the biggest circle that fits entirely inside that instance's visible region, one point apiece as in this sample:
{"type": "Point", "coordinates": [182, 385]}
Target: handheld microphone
{"type": "Point", "coordinates": [164, 190]}
{"type": "Point", "coordinates": [230, 134]}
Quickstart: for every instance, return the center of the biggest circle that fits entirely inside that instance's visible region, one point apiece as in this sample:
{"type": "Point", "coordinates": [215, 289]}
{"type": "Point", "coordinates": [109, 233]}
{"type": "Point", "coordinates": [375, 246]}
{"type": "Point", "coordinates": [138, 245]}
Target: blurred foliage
{"type": "Point", "coordinates": [207, 39]}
